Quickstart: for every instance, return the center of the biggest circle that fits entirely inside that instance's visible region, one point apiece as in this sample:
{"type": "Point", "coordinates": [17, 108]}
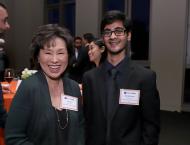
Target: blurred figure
{"type": "Point", "coordinates": [96, 51]}
{"type": "Point", "coordinates": [4, 26]}
{"type": "Point", "coordinates": [3, 114]}
{"type": "Point", "coordinates": [87, 38]}
{"type": "Point", "coordinates": [46, 109]}
{"type": "Point", "coordinates": [77, 63]}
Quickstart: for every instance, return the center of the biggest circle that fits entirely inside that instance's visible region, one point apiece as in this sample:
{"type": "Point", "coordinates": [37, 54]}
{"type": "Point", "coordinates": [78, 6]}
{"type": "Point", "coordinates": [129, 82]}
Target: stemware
{"type": "Point", "coordinates": [9, 76]}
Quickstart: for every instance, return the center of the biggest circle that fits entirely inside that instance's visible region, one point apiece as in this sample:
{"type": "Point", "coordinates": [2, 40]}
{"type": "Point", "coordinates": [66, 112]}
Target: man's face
{"type": "Point", "coordinates": [4, 25]}
{"type": "Point", "coordinates": [115, 37]}
{"type": "Point", "coordinates": [78, 43]}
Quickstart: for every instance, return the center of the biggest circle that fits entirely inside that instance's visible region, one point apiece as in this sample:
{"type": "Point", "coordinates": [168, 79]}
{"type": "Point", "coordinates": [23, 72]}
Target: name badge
{"type": "Point", "coordinates": [129, 97]}
{"type": "Point", "coordinates": [69, 102]}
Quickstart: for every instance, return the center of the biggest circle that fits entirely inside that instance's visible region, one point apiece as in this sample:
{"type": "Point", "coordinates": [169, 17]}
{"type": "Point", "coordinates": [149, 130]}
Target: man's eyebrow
{"type": "Point", "coordinates": [114, 29]}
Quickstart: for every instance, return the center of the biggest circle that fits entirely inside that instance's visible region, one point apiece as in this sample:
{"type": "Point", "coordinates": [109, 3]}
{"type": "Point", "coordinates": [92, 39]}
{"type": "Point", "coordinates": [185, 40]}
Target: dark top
{"type": "Point", "coordinates": [61, 128]}
{"type": "Point", "coordinates": [32, 118]}
{"type": "Point", "coordinates": [3, 114]}
{"type": "Point", "coordinates": [77, 67]}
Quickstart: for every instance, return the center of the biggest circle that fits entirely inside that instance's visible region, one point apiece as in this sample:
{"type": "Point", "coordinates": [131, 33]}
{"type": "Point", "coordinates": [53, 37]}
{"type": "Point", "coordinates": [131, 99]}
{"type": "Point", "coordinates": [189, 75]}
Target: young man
{"type": "Point", "coordinates": [122, 109]}
{"type": "Point", "coordinates": [4, 26]}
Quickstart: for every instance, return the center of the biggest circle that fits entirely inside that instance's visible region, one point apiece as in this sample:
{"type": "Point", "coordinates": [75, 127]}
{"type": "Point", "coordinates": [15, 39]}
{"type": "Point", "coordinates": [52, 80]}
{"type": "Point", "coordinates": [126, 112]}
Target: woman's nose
{"type": "Point", "coordinates": [55, 58]}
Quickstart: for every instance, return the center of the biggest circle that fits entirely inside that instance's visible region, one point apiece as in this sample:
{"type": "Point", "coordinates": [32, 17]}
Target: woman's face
{"type": "Point", "coordinates": [95, 52]}
{"type": "Point", "coordinates": [54, 59]}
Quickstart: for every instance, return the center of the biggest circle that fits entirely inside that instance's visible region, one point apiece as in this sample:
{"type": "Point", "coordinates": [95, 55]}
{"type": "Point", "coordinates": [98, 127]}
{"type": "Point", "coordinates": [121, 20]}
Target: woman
{"type": "Point", "coordinates": [96, 52]}
{"type": "Point", "coordinates": [47, 107]}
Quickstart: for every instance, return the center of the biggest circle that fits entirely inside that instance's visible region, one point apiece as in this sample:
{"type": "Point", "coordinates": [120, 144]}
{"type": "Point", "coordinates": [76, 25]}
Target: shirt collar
{"type": "Point", "coordinates": [119, 66]}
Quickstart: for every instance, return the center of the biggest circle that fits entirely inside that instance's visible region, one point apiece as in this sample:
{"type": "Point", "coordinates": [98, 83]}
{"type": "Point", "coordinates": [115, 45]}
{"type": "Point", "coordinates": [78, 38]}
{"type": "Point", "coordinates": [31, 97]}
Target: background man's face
{"type": "Point", "coordinates": [78, 43]}
{"type": "Point", "coordinates": [4, 25]}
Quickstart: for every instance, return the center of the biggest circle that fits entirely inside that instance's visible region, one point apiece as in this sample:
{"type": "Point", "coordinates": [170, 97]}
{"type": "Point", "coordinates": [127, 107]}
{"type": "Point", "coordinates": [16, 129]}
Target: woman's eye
{"type": "Point", "coordinates": [47, 53]}
{"type": "Point", "coordinates": [60, 53]}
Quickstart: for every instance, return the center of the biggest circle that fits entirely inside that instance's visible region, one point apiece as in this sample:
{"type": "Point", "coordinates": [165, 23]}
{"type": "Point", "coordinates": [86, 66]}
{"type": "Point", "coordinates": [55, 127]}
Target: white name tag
{"type": "Point", "coordinates": [69, 102]}
{"type": "Point", "coordinates": [129, 97]}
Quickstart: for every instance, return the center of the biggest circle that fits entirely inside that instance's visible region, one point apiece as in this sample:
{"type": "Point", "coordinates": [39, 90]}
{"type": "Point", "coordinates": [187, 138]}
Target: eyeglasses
{"type": "Point", "coordinates": [117, 32]}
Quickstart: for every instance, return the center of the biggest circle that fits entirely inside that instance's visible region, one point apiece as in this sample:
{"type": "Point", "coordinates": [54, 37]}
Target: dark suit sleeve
{"type": "Point", "coordinates": [80, 134]}
{"type": "Point", "coordinates": [87, 91]}
{"type": "Point", "coordinates": [3, 114]}
{"type": "Point", "coordinates": [150, 104]}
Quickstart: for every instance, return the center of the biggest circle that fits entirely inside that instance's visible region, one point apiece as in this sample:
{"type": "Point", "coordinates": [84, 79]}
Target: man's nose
{"type": "Point", "coordinates": [113, 35]}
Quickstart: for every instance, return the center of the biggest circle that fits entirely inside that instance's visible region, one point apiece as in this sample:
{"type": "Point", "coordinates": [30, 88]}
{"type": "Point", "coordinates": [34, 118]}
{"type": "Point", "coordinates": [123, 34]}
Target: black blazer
{"type": "Point", "coordinates": [78, 66]}
{"type": "Point", "coordinates": [3, 113]}
{"type": "Point", "coordinates": [32, 118]}
{"type": "Point", "coordinates": [130, 124]}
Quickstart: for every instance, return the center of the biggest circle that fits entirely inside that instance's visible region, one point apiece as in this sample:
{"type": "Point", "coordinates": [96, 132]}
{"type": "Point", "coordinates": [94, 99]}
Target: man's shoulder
{"type": "Point", "coordinates": [142, 70]}
{"type": "Point", "coordinates": [93, 72]}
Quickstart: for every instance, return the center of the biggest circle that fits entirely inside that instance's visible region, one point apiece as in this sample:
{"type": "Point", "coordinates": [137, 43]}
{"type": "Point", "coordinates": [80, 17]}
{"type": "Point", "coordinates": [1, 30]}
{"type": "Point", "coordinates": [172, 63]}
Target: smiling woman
{"type": "Point", "coordinates": [49, 94]}
{"type": "Point", "coordinates": [97, 51]}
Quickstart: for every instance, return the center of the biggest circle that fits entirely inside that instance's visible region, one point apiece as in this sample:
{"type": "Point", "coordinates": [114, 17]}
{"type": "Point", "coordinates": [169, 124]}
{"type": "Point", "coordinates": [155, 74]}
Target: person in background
{"type": "Point", "coordinates": [77, 64]}
{"type": "Point", "coordinates": [3, 114]}
{"type": "Point", "coordinates": [97, 52]}
{"type": "Point", "coordinates": [46, 109]}
{"type": "Point", "coordinates": [87, 38]}
{"type": "Point", "coordinates": [120, 98]}
{"type": "Point", "coordinates": [4, 26]}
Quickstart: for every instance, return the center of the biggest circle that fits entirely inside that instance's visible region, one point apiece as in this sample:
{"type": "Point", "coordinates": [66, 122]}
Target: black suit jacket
{"type": "Point", "coordinates": [78, 66]}
{"type": "Point", "coordinates": [3, 113]}
{"type": "Point", "coordinates": [130, 124]}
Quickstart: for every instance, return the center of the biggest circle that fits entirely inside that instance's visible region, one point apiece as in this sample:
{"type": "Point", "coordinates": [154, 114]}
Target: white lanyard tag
{"type": "Point", "coordinates": [129, 97]}
{"type": "Point", "coordinates": [69, 102]}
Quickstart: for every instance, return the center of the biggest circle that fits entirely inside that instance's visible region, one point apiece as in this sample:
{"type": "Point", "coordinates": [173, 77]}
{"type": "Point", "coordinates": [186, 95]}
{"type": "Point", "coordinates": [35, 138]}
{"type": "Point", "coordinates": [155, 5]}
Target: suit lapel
{"type": "Point", "coordinates": [102, 88]}
{"type": "Point", "coordinates": [126, 70]}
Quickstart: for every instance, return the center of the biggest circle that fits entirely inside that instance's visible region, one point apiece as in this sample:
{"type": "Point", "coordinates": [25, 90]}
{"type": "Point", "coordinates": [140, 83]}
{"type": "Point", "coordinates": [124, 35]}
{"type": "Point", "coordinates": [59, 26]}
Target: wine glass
{"type": "Point", "coordinates": [9, 76]}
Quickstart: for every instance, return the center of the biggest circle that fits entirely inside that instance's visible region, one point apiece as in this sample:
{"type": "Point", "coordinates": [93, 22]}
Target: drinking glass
{"type": "Point", "coordinates": [9, 76]}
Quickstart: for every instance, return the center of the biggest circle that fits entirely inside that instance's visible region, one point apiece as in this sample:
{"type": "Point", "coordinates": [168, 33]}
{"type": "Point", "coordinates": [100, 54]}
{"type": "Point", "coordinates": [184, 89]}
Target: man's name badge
{"type": "Point", "coordinates": [129, 97]}
{"type": "Point", "coordinates": [69, 102]}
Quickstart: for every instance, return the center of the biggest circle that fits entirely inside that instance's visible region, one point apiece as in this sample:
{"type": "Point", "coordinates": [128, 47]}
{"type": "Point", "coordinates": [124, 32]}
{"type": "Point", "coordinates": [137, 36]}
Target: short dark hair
{"type": "Point", "coordinates": [3, 6]}
{"type": "Point", "coordinates": [77, 38]}
{"type": "Point", "coordinates": [44, 35]}
{"type": "Point", "coordinates": [88, 37]}
{"type": "Point", "coordinates": [114, 15]}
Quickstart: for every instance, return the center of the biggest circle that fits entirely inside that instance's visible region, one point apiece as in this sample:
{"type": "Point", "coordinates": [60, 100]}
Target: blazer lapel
{"type": "Point", "coordinates": [124, 77]}
{"type": "Point", "coordinates": [102, 87]}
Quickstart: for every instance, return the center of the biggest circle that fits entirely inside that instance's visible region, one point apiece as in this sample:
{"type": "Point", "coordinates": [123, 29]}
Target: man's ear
{"type": "Point", "coordinates": [102, 49]}
{"type": "Point", "coordinates": [129, 36]}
